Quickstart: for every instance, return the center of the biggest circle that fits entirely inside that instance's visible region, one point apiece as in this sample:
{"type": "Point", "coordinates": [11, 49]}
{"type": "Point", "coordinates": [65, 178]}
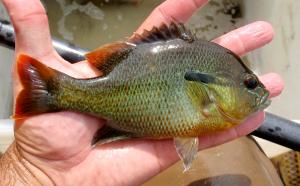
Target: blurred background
{"type": "Point", "coordinates": [91, 23]}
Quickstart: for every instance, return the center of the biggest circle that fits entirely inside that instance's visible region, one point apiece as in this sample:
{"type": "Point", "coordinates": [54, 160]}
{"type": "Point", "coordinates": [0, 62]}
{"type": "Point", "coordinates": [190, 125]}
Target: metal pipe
{"type": "Point", "coordinates": [274, 128]}
{"type": "Point", "coordinates": [66, 50]}
{"type": "Point", "coordinates": [280, 130]}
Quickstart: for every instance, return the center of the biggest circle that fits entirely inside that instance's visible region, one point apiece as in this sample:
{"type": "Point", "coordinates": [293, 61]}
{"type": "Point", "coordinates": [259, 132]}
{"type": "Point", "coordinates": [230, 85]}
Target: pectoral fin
{"type": "Point", "coordinates": [199, 77]}
{"type": "Point", "coordinates": [187, 149]}
{"type": "Point", "coordinates": [223, 79]}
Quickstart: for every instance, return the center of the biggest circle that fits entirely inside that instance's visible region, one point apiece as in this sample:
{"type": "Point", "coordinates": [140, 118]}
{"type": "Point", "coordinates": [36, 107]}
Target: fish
{"type": "Point", "coordinates": [288, 167]}
{"type": "Point", "coordinates": [162, 84]}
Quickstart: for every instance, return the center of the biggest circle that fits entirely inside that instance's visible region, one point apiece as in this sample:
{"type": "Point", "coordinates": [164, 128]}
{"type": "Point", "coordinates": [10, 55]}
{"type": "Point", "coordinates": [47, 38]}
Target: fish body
{"type": "Point", "coordinates": [147, 94]}
{"type": "Point", "coordinates": [163, 84]}
{"type": "Point", "coordinates": [288, 166]}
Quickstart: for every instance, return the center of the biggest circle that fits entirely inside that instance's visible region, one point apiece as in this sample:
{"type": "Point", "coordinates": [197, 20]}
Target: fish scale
{"type": "Point", "coordinates": [146, 79]}
{"type": "Point", "coordinates": [162, 84]}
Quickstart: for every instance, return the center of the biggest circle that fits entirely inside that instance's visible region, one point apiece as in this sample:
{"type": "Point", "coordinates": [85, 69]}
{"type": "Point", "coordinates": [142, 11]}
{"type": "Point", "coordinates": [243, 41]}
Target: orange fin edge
{"type": "Point", "coordinates": [36, 79]}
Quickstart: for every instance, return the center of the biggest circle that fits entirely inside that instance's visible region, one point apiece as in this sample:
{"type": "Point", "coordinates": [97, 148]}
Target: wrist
{"type": "Point", "coordinates": [16, 170]}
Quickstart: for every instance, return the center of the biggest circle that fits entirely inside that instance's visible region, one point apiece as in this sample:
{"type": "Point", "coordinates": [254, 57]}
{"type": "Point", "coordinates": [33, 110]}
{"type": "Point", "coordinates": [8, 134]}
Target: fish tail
{"type": "Point", "coordinates": [39, 84]}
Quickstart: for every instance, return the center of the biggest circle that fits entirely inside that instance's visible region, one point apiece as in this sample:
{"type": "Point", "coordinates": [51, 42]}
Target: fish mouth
{"type": "Point", "coordinates": [264, 101]}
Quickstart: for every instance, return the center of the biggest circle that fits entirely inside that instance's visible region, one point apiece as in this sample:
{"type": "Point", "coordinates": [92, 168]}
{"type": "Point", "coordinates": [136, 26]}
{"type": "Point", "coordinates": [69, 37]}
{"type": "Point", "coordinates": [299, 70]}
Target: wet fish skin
{"type": "Point", "coordinates": [146, 94]}
{"type": "Point", "coordinates": [162, 84]}
{"type": "Point", "coordinates": [145, 89]}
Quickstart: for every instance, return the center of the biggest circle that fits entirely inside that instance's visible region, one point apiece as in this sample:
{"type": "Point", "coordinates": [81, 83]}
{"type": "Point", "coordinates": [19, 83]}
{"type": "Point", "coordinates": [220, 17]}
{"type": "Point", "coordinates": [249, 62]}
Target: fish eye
{"type": "Point", "coordinates": [251, 82]}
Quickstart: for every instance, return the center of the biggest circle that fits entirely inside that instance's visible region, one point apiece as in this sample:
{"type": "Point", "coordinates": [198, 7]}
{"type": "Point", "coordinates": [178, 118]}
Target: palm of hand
{"type": "Point", "coordinates": [59, 144]}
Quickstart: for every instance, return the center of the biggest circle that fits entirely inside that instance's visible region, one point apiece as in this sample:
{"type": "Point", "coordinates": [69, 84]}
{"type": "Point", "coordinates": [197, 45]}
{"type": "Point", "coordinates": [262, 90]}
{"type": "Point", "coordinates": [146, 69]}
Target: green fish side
{"type": "Point", "coordinates": [146, 94]}
{"type": "Point", "coordinates": [150, 99]}
{"type": "Point", "coordinates": [162, 84]}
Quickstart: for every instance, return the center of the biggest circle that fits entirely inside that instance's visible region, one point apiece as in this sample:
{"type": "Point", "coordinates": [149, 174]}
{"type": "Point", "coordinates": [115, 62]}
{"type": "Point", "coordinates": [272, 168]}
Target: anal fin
{"type": "Point", "coordinates": [187, 149]}
{"type": "Point", "coordinates": [107, 134]}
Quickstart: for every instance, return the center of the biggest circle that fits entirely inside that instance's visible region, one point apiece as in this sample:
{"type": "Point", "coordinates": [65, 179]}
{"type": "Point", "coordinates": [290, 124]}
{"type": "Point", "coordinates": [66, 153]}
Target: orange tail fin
{"type": "Point", "coordinates": [39, 82]}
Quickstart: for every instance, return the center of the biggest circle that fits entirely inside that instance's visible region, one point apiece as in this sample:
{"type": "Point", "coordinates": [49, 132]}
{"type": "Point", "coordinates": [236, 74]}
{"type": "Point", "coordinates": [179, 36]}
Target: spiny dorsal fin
{"type": "Point", "coordinates": [108, 56]}
{"type": "Point", "coordinates": [163, 33]}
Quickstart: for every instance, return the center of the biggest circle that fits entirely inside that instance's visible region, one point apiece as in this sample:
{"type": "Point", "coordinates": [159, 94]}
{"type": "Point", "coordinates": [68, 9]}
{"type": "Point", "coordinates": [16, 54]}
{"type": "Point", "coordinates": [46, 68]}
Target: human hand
{"type": "Point", "coordinates": [55, 148]}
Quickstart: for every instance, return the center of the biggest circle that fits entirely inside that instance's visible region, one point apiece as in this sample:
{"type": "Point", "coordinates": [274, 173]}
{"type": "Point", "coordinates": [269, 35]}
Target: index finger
{"type": "Point", "coordinates": [170, 10]}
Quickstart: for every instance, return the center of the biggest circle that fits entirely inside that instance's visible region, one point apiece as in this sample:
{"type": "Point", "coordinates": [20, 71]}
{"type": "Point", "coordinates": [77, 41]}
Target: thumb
{"type": "Point", "coordinates": [31, 27]}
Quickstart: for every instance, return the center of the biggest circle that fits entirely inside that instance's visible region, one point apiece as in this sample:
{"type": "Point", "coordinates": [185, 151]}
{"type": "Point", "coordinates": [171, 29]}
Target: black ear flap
{"type": "Point", "coordinates": [199, 77]}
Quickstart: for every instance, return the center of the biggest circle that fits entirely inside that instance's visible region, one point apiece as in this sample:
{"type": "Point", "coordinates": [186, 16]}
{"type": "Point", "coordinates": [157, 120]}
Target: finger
{"type": "Point", "coordinates": [88, 69]}
{"type": "Point", "coordinates": [31, 27]}
{"type": "Point", "coordinates": [170, 10]}
{"type": "Point", "coordinates": [247, 38]}
{"type": "Point", "coordinates": [273, 82]}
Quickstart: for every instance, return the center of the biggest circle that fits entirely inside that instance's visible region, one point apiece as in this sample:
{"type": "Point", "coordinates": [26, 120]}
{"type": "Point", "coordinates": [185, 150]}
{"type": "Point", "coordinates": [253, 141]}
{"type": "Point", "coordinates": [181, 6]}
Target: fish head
{"type": "Point", "coordinates": [235, 95]}
{"type": "Point", "coordinates": [238, 97]}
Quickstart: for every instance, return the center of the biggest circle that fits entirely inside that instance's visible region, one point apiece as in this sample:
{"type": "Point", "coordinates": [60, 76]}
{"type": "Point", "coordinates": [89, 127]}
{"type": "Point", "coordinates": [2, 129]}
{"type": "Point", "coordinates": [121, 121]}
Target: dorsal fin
{"type": "Point", "coordinates": [163, 33]}
{"type": "Point", "coordinates": [108, 56]}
